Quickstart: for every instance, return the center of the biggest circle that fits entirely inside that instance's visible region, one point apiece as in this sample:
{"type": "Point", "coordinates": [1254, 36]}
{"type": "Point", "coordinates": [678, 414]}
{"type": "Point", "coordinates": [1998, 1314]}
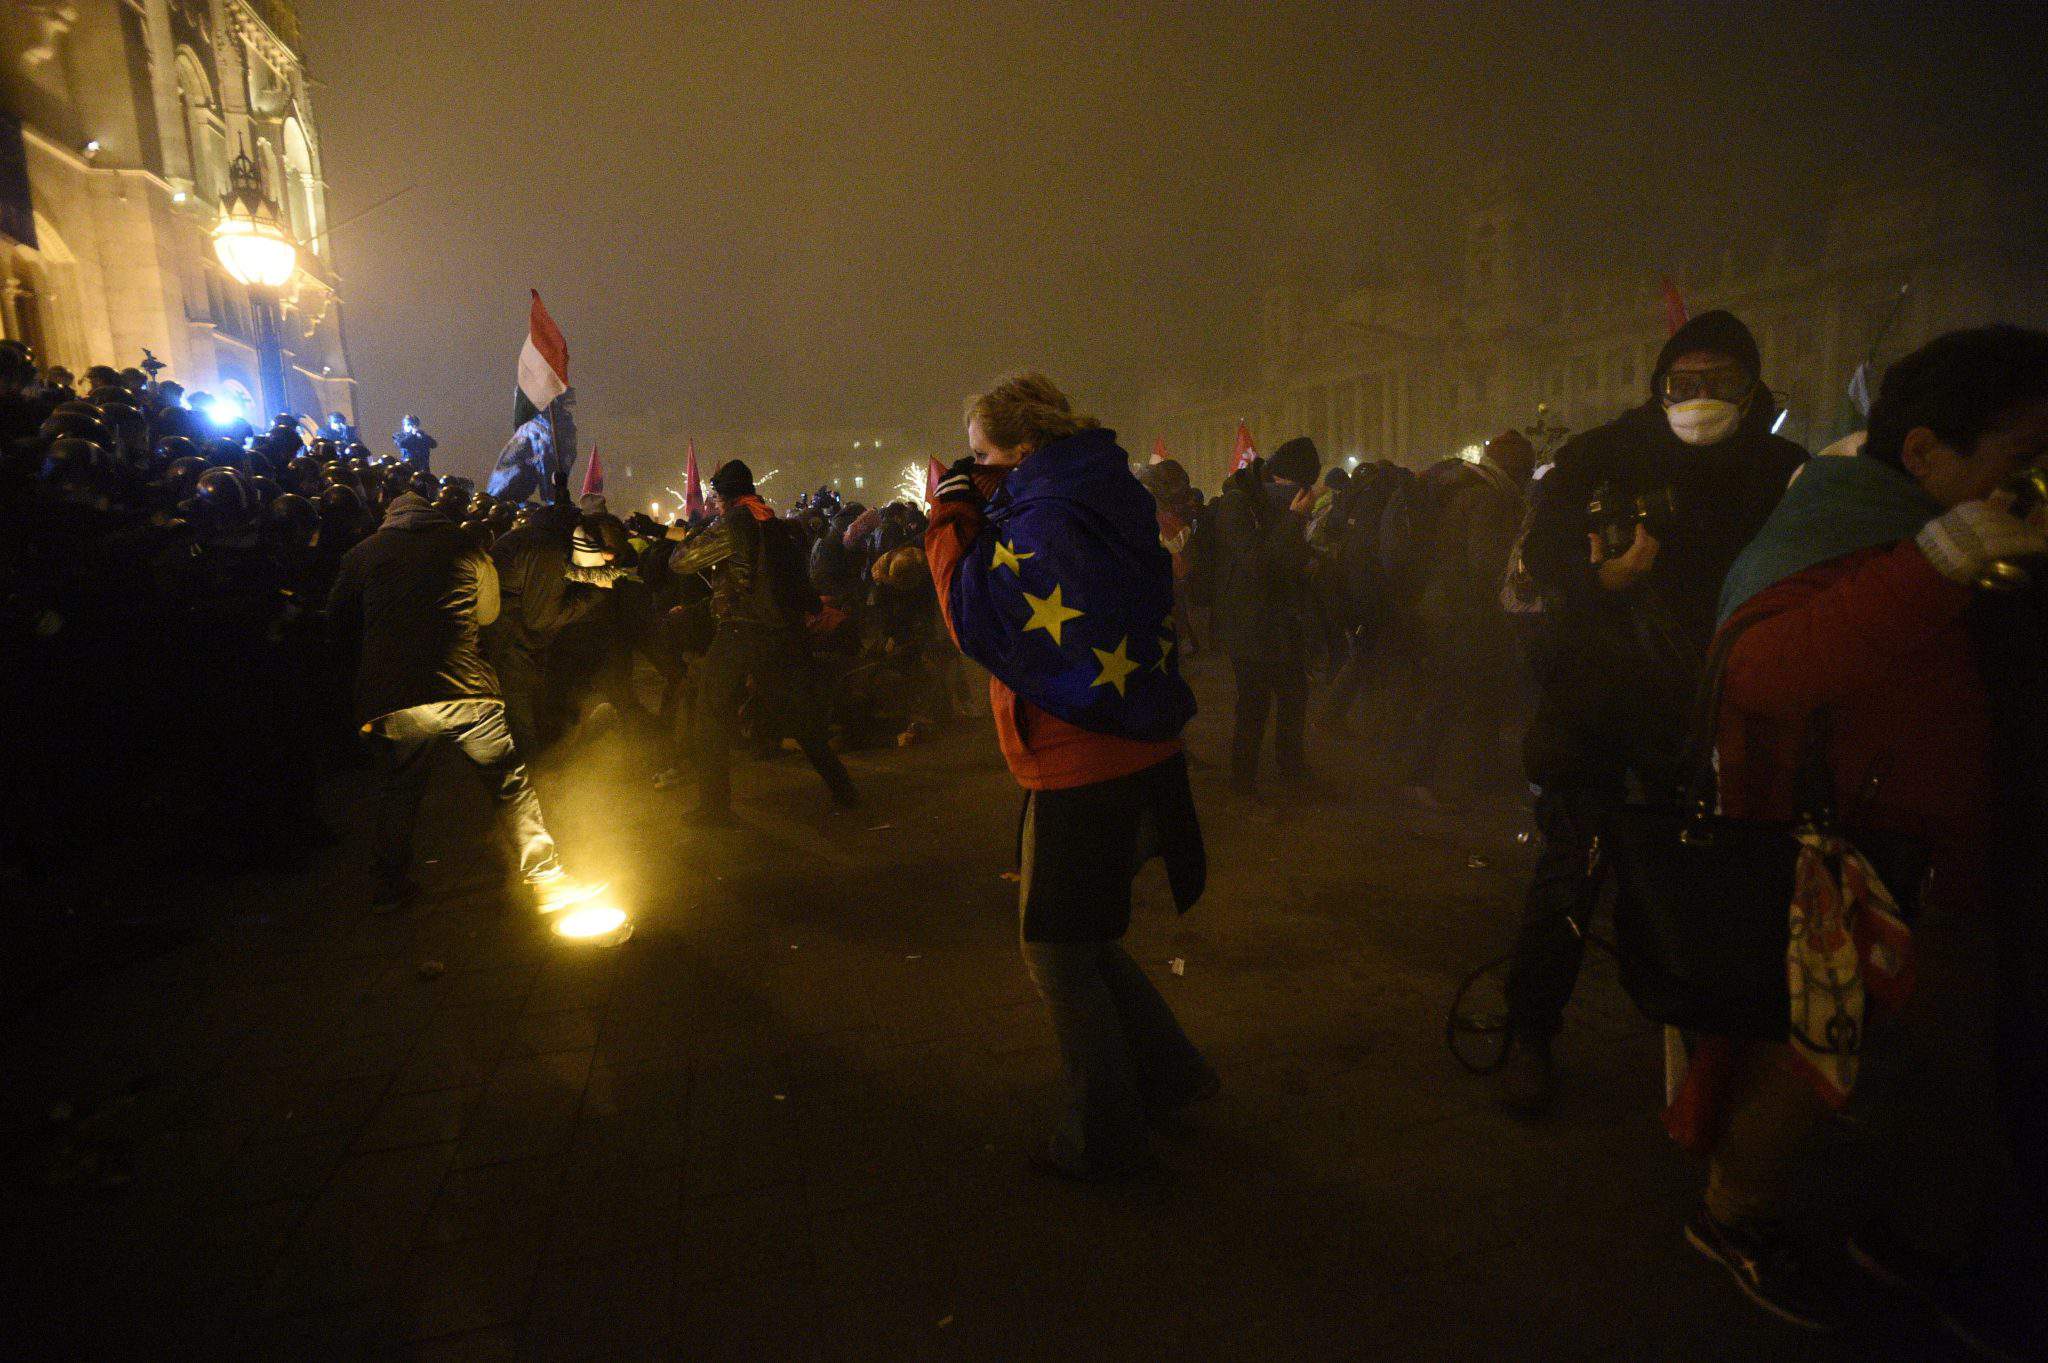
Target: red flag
{"type": "Point", "coordinates": [593, 475]}
{"type": "Point", "coordinates": [932, 474]}
{"type": "Point", "coordinates": [1245, 451]}
{"type": "Point", "coordinates": [693, 485]}
{"type": "Point", "coordinates": [1674, 306]}
{"type": "Point", "coordinates": [543, 364]}
{"type": "Point", "coordinates": [1159, 454]}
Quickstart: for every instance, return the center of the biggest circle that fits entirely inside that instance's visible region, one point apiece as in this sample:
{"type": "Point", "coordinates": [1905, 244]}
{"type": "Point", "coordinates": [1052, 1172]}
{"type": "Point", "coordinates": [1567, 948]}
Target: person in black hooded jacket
{"type": "Point", "coordinates": [1631, 535]}
{"type": "Point", "coordinates": [544, 594]}
{"type": "Point", "coordinates": [419, 590]}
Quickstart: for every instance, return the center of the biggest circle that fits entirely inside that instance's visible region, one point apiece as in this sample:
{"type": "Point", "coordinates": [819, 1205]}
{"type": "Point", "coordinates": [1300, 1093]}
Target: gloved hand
{"type": "Point", "coordinates": [1964, 540]}
{"type": "Point", "coordinates": [958, 484]}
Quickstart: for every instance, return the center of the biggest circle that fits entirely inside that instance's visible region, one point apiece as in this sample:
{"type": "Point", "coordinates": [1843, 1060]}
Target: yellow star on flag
{"type": "Point", "coordinates": [1167, 644]}
{"type": "Point", "coordinates": [1008, 557]}
{"type": "Point", "coordinates": [1116, 665]}
{"type": "Point", "coordinates": [1049, 613]}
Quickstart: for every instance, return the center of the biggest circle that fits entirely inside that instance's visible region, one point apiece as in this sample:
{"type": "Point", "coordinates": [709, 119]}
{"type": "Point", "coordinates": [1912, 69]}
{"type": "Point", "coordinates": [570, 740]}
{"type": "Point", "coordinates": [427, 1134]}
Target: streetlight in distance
{"type": "Point", "coordinates": [259, 254]}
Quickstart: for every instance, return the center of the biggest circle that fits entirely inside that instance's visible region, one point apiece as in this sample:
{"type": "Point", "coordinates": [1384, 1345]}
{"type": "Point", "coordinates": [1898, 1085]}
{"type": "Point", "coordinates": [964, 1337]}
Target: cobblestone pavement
{"type": "Point", "coordinates": [790, 1118]}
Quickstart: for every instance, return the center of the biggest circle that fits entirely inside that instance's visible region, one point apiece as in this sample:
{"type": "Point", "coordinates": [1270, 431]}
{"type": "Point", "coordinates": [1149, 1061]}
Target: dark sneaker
{"type": "Point", "coordinates": [1526, 1083]}
{"type": "Point", "coordinates": [1768, 1267]}
{"type": "Point", "coordinates": [393, 895]}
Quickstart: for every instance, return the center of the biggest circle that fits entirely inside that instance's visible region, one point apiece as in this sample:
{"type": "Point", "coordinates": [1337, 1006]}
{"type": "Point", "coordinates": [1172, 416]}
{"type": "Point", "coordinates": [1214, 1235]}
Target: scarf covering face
{"type": "Point", "coordinates": [1834, 507]}
{"type": "Point", "coordinates": [1067, 596]}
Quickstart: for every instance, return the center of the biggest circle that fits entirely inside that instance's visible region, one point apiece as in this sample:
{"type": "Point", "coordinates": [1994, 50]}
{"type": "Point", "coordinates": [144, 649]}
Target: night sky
{"type": "Point", "coordinates": [750, 215]}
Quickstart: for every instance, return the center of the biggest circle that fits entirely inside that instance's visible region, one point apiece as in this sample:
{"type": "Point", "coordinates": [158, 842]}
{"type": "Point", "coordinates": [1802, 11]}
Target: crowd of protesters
{"type": "Point", "coordinates": [187, 600]}
{"type": "Point", "coordinates": [190, 600]}
{"type": "Point", "coordinates": [1879, 632]}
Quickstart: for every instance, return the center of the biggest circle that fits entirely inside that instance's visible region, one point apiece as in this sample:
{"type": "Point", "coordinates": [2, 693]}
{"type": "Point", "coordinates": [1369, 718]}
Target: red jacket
{"type": "Point", "coordinates": [1879, 639]}
{"type": "Point", "coordinates": [1044, 751]}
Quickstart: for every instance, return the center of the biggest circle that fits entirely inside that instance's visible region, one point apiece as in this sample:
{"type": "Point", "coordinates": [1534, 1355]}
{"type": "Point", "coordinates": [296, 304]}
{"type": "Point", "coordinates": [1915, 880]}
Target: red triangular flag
{"type": "Point", "coordinates": [693, 485]}
{"type": "Point", "coordinates": [932, 474]}
{"type": "Point", "coordinates": [1245, 451]}
{"type": "Point", "coordinates": [593, 475]}
{"type": "Point", "coordinates": [1159, 454]}
{"type": "Point", "coordinates": [1674, 306]}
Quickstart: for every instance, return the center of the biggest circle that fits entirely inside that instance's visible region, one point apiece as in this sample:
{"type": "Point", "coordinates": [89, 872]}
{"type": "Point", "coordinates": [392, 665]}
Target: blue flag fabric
{"type": "Point", "coordinates": [538, 457]}
{"type": "Point", "coordinates": [1067, 595]}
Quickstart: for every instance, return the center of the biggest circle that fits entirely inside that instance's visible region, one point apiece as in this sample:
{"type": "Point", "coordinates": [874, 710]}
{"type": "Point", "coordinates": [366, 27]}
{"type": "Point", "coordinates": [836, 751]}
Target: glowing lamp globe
{"type": "Point", "coordinates": [251, 239]}
{"type": "Point", "coordinates": [254, 255]}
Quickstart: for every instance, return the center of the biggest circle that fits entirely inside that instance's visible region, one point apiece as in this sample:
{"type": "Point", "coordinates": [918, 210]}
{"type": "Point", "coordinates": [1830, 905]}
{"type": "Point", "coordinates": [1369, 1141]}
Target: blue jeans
{"type": "Point", "coordinates": [477, 728]}
{"type": "Point", "coordinates": [1123, 1050]}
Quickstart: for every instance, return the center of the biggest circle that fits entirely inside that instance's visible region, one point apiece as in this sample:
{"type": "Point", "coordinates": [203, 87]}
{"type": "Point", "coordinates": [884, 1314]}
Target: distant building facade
{"type": "Point", "coordinates": [118, 120]}
{"type": "Point", "coordinates": [645, 457]}
{"type": "Point", "coordinates": [1422, 368]}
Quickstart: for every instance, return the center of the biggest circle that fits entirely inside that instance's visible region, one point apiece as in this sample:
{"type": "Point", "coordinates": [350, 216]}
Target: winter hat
{"type": "Point", "coordinates": [733, 480]}
{"type": "Point", "coordinates": [586, 550]}
{"type": "Point", "coordinates": [1297, 461]}
{"type": "Point", "coordinates": [1719, 333]}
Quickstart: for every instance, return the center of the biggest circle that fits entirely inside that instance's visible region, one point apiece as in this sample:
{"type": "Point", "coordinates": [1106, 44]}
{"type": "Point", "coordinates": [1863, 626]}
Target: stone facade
{"type": "Point", "coordinates": [129, 113]}
{"type": "Point", "coordinates": [1419, 368]}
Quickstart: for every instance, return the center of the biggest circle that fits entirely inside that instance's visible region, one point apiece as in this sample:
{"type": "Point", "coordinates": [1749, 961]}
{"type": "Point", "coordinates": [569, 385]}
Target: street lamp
{"type": "Point", "coordinates": [256, 250]}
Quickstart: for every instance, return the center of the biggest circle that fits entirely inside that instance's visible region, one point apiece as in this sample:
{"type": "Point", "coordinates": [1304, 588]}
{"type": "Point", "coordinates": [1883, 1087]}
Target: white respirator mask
{"type": "Point", "coordinates": [1703, 421]}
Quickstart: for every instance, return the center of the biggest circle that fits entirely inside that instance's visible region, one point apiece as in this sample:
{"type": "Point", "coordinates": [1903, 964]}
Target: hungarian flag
{"type": "Point", "coordinates": [1159, 454]}
{"type": "Point", "coordinates": [543, 365]}
{"type": "Point", "coordinates": [1245, 450]}
{"type": "Point", "coordinates": [593, 476]}
{"type": "Point", "coordinates": [693, 485]}
{"type": "Point", "coordinates": [1674, 306]}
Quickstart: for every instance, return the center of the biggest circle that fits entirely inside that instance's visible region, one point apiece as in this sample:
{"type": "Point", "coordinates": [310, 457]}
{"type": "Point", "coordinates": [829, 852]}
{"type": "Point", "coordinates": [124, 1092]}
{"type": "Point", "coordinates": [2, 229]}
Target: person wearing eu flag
{"type": "Point", "coordinates": [1045, 552]}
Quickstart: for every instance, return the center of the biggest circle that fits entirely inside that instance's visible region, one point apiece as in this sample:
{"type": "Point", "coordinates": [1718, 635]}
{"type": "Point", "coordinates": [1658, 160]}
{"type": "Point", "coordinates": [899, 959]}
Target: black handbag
{"type": "Point", "coordinates": [1702, 904]}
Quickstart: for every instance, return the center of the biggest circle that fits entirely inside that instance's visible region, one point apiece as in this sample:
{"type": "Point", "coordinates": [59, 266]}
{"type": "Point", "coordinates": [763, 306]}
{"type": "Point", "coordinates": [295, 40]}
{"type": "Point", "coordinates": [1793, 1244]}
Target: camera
{"type": "Point", "coordinates": [2029, 489]}
{"type": "Point", "coordinates": [1614, 515]}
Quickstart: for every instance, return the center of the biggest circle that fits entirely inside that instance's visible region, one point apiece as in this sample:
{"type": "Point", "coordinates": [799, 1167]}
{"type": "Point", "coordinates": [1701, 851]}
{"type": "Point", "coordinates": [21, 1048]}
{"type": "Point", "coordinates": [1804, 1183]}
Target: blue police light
{"type": "Point", "coordinates": [224, 411]}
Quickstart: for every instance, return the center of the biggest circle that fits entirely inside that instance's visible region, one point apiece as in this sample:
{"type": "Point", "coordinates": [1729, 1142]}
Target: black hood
{"type": "Point", "coordinates": [411, 511]}
{"type": "Point", "coordinates": [1720, 332]}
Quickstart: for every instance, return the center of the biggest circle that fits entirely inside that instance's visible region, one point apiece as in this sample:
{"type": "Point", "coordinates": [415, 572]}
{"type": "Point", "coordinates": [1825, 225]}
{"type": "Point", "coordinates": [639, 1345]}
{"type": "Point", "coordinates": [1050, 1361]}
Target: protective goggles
{"type": "Point", "coordinates": [1727, 382]}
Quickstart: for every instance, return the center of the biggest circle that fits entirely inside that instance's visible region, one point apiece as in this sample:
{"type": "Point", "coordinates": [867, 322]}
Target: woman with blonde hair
{"type": "Point", "coordinates": [1045, 552]}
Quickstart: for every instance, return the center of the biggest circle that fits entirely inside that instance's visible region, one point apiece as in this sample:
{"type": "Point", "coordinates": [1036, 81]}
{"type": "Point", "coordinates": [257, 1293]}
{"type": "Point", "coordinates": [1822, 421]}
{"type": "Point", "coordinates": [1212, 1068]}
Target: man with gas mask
{"type": "Point", "coordinates": [1631, 535]}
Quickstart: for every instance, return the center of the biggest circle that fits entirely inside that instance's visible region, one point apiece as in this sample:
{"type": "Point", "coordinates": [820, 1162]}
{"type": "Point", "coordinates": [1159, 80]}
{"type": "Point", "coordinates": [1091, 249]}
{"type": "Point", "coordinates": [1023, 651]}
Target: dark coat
{"type": "Point", "coordinates": [1080, 848]}
{"type": "Point", "coordinates": [1620, 668]}
{"type": "Point", "coordinates": [420, 590]}
{"type": "Point", "coordinates": [1262, 596]}
{"type": "Point", "coordinates": [540, 598]}
{"type": "Point", "coordinates": [734, 551]}
{"type": "Point", "coordinates": [1458, 607]}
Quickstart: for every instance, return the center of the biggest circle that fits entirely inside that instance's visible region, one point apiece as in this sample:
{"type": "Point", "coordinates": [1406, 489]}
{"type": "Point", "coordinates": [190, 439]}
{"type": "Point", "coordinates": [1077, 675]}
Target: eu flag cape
{"type": "Point", "coordinates": [1067, 596]}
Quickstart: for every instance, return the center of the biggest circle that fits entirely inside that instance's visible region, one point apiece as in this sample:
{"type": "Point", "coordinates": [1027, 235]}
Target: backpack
{"type": "Point", "coordinates": [1407, 539]}
{"type": "Point", "coordinates": [787, 559]}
